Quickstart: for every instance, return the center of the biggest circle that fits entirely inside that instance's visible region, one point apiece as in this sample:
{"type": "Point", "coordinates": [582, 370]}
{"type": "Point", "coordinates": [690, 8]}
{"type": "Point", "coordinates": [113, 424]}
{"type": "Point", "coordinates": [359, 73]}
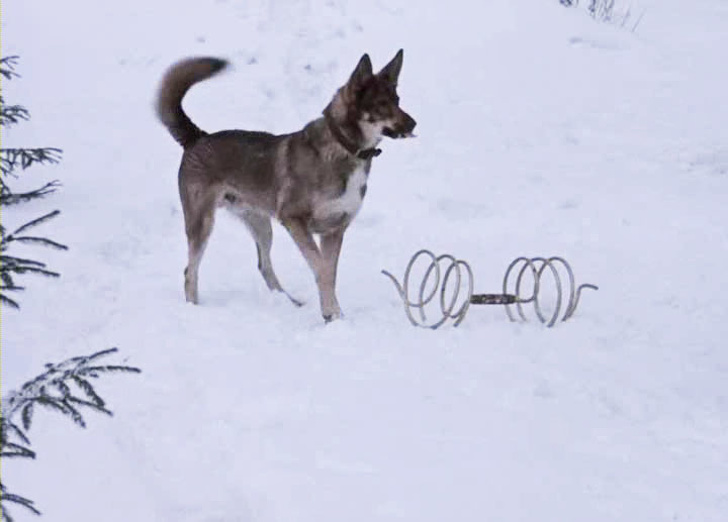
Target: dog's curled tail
{"type": "Point", "coordinates": [176, 82]}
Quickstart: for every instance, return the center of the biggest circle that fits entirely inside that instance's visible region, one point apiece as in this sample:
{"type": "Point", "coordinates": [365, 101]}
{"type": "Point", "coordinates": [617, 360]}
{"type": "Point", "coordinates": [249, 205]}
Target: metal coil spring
{"type": "Point", "coordinates": [452, 279]}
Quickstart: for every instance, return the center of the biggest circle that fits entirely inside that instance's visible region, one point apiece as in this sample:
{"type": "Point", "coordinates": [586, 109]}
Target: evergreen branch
{"type": "Point", "coordinates": [33, 270]}
{"type": "Point", "coordinates": [27, 416]}
{"type": "Point", "coordinates": [12, 265]}
{"type": "Point", "coordinates": [63, 388]}
{"type": "Point", "coordinates": [12, 114]}
{"type": "Point", "coordinates": [10, 159]}
{"type": "Point", "coordinates": [16, 499]}
{"type": "Point", "coordinates": [100, 354]}
{"type": "Point", "coordinates": [7, 197]}
{"type": "Point", "coordinates": [35, 222]}
{"type": "Point", "coordinates": [108, 369]}
{"type": "Point", "coordinates": [12, 449]}
{"type": "Point", "coordinates": [89, 391]}
{"type": "Point", "coordinates": [71, 369]}
{"type": "Point", "coordinates": [90, 404]}
{"type": "Point", "coordinates": [61, 407]}
{"type": "Point", "coordinates": [9, 427]}
{"type": "Point", "coordinates": [9, 302]}
{"type": "Point", "coordinates": [7, 67]}
{"type": "Point", "coordinates": [73, 413]}
{"type": "Point", "coordinates": [51, 389]}
{"type": "Point", "coordinates": [12, 261]}
{"type": "Point", "coordinates": [41, 241]}
{"type": "Point", "coordinates": [5, 191]}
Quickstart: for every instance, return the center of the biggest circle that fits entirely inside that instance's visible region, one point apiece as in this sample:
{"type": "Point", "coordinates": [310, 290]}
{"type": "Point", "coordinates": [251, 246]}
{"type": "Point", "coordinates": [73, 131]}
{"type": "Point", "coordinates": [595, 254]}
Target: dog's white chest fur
{"type": "Point", "coordinates": [349, 202]}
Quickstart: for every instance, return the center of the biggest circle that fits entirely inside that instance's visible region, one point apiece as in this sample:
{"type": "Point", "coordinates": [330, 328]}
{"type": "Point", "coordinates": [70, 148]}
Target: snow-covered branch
{"type": "Point", "coordinates": [64, 387]}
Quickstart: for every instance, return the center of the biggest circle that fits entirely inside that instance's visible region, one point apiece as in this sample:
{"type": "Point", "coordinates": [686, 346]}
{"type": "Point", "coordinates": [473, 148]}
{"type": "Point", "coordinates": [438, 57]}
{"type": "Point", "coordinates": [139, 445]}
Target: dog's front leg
{"type": "Point", "coordinates": [324, 272]}
{"type": "Point", "coordinates": [330, 249]}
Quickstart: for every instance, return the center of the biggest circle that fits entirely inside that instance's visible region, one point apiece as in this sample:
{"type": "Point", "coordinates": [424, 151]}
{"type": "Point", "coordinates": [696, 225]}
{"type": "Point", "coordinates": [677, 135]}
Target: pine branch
{"type": "Point", "coordinates": [12, 449]}
{"type": "Point", "coordinates": [11, 266]}
{"type": "Point", "coordinates": [62, 407]}
{"type": "Point", "coordinates": [26, 415]}
{"type": "Point", "coordinates": [61, 387]}
{"type": "Point", "coordinates": [7, 301]}
{"type": "Point", "coordinates": [12, 114]}
{"type": "Point", "coordinates": [8, 197]}
{"type": "Point", "coordinates": [16, 499]}
{"type": "Point", "coordinates": [41, 241]}
{"type": "Point", "coordinates": [7, 67]}
{"type": "Point", "coordinates": [34, 223]}
{"type": "Point", "coordinates": [90, 404]}
{"type": "Point", "coordinates": [12, 261]}
{"type": "Point", "coordinates": [57, 378]}
{"type": "Point", "coordinates": [95, 370]}
{"type": "Point", "coordinates": [25, 270]}
{"type": "Point", "coordinates": [8, 429]}
{"type": "Point", "coordinates": [10, 159]}
{"type": "Point", "coordinates": [86, 387]}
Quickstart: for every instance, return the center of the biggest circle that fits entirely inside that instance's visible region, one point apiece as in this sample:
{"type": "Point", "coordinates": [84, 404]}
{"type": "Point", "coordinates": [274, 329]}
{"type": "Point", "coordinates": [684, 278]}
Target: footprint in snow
{"type": "Point", "coordinates": [711, 163]}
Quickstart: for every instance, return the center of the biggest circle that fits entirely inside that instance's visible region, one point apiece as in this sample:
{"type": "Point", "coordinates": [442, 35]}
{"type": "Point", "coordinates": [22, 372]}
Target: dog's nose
{"type": "Point", "coordinates": [409, 122]}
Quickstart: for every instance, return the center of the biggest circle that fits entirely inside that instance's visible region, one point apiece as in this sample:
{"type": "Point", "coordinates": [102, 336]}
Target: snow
{"type": "Point", "coordinates": [540, 132]}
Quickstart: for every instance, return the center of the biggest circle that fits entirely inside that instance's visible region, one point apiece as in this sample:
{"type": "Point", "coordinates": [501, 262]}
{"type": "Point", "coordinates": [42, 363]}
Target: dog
{"type": "Point", "coordinates": [313, 181]}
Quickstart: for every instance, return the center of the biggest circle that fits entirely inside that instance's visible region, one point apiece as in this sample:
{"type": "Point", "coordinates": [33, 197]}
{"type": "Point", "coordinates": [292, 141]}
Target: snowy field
{"type": "Point", "coordinates": [540, 132]}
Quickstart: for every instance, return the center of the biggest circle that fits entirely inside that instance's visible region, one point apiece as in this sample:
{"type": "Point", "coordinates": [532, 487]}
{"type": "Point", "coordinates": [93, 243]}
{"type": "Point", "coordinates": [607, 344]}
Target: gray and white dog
{"type": "Point", "coordinates": [313, 180]}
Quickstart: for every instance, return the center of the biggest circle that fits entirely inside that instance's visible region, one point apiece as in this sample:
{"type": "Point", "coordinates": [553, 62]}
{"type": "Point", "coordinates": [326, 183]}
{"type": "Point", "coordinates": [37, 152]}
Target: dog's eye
{"type": "Point", "coordinates": [384, 105]}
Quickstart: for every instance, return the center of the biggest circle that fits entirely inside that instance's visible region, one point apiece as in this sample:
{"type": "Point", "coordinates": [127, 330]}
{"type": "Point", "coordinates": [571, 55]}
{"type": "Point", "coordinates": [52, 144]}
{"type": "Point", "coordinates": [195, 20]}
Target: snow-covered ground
{"type": "Point", "coordinates": [540, 132]}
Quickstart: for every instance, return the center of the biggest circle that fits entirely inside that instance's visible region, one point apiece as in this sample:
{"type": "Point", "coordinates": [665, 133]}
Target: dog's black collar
{"type": "Point", "coordinates": [349, 145]}
{"type": "Point", "coordinates": [366, 154]}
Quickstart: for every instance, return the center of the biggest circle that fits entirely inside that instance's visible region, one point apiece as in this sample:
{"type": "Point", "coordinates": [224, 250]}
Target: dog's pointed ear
{"type": "Point", "coordinates": [362, 71]}
{"type": "Point", "coordinates": [390, 72]}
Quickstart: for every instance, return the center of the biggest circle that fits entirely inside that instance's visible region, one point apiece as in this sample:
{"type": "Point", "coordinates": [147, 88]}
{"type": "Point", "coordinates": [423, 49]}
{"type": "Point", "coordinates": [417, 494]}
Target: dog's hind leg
{"type": "Point", "coordinates": [260, 228]}
{"type": "Point", "coordinates": [198, 225]}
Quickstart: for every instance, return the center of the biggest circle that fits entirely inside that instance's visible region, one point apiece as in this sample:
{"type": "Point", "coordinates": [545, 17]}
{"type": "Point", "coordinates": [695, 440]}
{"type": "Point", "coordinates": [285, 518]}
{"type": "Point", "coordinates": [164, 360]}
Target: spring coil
{"type": "Point", "coordinates": [452, 280]}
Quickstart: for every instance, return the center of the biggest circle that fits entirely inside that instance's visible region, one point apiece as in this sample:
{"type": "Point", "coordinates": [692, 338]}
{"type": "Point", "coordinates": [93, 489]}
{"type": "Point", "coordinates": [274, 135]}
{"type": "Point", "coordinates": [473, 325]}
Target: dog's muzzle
{"type": "Point", "coordinates": [402, 128]}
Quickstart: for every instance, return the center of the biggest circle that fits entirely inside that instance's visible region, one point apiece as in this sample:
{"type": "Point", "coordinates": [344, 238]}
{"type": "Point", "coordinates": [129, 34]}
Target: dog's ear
{"type": "Point", "coordinates": [390, 72]}
{"type": "Point", "coordinates": [362, 71]}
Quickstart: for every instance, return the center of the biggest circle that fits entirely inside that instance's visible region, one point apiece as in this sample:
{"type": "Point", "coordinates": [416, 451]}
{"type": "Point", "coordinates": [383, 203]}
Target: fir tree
{"type": "Point", "coordinates": [65, 387]}
{"type": "Point", "coordinates": [12, 159]}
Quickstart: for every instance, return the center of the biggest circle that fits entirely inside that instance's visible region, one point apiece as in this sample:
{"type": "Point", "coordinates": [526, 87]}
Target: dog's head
{"type": "Point", "coordinates": [369, 102]}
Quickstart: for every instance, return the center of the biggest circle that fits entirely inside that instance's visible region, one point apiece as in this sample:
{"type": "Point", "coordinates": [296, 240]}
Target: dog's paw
{"type": "Point", "coordinates": [328, 318]}
{"type": "Point", "coordinates": [295, 301]}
